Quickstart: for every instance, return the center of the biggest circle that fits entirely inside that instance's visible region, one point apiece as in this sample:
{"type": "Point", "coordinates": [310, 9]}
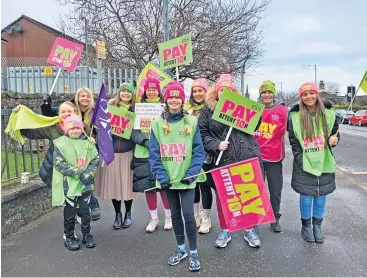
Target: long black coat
{"type": "Point", "coordinates": [242, 146]}
{"type": "Point", "coordinates": [142, 176]}
{"type": "Point", "coordinates": [303, 182]}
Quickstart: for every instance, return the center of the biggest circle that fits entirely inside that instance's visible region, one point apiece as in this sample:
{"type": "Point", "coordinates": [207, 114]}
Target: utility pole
{"type": "Point", "coordinates": [315, 72]}
{"type": "Point", "coordinates": [243, 78]}
{"type": "Point", "coordinates": [86, 40]}
{"type": "Point", "coordinates": [165, 20]}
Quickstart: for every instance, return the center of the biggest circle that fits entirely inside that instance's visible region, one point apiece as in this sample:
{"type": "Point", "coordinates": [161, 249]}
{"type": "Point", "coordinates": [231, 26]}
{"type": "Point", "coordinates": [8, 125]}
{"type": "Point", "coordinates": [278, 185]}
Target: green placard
{"type": "Point", "coordinates": [175, 52]}
{"type": "Point", "coordinates": [238, 111]}
{"type": "Point", "coordinates": [121, 121]}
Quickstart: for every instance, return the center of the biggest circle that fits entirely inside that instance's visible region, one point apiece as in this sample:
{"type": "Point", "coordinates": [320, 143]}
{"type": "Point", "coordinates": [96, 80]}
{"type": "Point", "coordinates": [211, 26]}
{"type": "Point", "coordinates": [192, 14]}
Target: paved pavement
{"type": "Point", "coordinates": [37, 250]}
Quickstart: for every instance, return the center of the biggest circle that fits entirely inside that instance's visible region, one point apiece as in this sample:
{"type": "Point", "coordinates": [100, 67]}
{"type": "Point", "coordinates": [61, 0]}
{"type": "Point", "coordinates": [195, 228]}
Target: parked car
{"type": "Point", "coordinates": [340, 114]}
{"type": "Point", "coordinates": [359, 118]}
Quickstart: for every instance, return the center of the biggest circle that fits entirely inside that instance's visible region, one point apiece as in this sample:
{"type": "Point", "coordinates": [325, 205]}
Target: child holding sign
{"type": "Point", "coordinates": [176, 155]}
{"type": "Point", "coordinates": [142, 175]}
{"type": "Point", "coordinates": [241, 146]}
{"type": "Point", "coordinates": [194, 107]}
{"type": "Point", "coordinates": [312, 128]}
{"type": "Point", "coordinates": [75, 164]}
{"type": "Point", "coordinates": [115, 180]}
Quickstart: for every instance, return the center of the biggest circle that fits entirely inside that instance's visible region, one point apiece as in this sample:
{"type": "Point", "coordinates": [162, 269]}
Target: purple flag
{"type": "Point", "coordinates": [100, 119]}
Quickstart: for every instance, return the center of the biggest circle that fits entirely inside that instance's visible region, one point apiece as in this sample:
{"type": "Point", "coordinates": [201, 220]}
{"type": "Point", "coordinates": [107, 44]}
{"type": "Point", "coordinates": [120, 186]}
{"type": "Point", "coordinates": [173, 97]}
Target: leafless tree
{"type": "Point", "coordinates": [332, 87]}
{"type": "Point", "coordinates": [288, 98]}
{"type": "Point", "coordinates": [225, 34]}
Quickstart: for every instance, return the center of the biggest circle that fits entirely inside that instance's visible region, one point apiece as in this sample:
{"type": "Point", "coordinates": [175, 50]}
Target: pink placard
{"type": "Point", "coordinates": [65, 54]}
{"type": "Point", "coordinates": [243, 195]}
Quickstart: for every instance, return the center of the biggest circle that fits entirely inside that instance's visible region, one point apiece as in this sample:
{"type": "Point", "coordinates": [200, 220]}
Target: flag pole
{"type": "Point", "coordinates": [54, 84]}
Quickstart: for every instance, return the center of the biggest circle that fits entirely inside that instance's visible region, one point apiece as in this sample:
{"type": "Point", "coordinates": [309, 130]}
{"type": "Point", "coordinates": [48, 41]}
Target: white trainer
{"type": "Point", "coordinates": [205, 226]}
{"type": "Point", "coordinates": [167, 223]}
{"type": "Point", "coordinates": [152, 226]}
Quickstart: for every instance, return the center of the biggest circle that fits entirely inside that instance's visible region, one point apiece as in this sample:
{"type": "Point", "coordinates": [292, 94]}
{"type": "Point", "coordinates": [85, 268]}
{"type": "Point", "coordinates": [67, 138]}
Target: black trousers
{"type": "Point", "coordinates": [206, 194]}
{"type": "Point", "coordinates": [70, 211]}
{"type": "Point", "coordinates": [274, 176]}
{"type": "Point", "coordinates": [183, 199]}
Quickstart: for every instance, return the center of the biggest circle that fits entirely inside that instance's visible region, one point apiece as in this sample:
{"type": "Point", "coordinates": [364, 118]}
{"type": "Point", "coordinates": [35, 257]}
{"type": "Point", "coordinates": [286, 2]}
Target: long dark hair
{"type": "Point", "coordinates": [144, 97]}
{"type": "Point", "coordinates": [307, 128]}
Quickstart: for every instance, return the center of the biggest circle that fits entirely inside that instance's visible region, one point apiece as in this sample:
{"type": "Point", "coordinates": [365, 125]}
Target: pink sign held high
{"type": "Point", "coordinates": [243, 195]}
{"type": "Point", "coordinates": [65, 54]}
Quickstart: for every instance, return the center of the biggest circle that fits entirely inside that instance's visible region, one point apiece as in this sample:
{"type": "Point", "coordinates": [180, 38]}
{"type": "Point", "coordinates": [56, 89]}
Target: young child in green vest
{"type": "Point", "coordinates": [75, 164]}
{"type": "Point", "coordinates": [176, 155]}
{"type": "Point", "coordinates": [312, 127]}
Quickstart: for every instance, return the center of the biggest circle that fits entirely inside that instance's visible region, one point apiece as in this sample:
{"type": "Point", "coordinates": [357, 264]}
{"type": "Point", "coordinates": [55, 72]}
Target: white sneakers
{"type": "Point", "coordinates": [168, 223]}
{"type": "Point", "coordinates": [205, 225]}
{"type": "Point", "coordinates": [197, 219]}
{"type": "Point", "coordinates": [152, 226]}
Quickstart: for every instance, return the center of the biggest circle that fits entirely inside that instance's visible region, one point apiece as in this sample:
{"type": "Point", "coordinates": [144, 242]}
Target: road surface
{"type": "Point", "coordinates": [37, 250]}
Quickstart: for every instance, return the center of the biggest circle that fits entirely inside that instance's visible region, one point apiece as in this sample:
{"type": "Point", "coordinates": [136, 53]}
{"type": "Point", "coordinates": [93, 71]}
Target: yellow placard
{"type": "Point", "coordinates": [47, 71]}
{"type": "Point", "coordinates": [101, 50]}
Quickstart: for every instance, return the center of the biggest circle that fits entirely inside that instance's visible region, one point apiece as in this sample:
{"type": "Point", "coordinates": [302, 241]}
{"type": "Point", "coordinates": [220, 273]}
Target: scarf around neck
{"type": "Point", "coordinates": [124, 105]}
{"type": "Point", "coordinates": [153, 100]}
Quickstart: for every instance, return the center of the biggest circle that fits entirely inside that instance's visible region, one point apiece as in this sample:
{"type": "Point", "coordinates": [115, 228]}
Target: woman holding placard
{"type": "Point", "coordinates": [313, 131]}
{"type": "Point", "coordinates": [195, 105]}
{"type": "Point", "coordinates": [143, 178]}
{"type": "Point", "coordinates": [241, 146]}
{"type": "Point", "coordinates": [176, 155]}
{"type": "Point", "coordinates": [114, 182]}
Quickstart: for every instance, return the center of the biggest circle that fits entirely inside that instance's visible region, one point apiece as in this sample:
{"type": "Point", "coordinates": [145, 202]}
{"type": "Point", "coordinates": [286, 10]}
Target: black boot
{"type": "Point", "coordinates": [118, 221]}
{"type": "Point", "coordinates": [317, 232]}
{"type": "Point", "coordinates": [127, 220]}
{"type": "Point", "coordinates": [275, 227]}
{"type": "Point", "coordinates": [88, 241]}
{"type": "Point", "coordinates": [306, 231]}
{"type": "Point", "coordinates": [72, 243]}
{"type": "Point", "coordinates": [95, 209]}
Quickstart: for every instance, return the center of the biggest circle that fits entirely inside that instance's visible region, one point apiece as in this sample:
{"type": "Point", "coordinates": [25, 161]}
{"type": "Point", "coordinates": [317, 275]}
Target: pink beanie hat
{"type": "Point", "coordinates": [308, 86]}
{"type": "Point", "coordinates": [73, 121]}
{"type": "Point", "coordinates": [225, 81]}
{"type": "Point", "coordinates": [200, 82]}
{"type": "Point", "coordinates": [152, 83]}
{"type": "Point", "coordinates": [174, 89]}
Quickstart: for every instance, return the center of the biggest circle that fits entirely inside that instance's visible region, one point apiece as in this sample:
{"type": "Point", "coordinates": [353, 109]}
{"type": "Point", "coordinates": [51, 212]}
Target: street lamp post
{"type": "Point", "coordinates": [315, 72]}
{"type": "Point", "coordinates": [281, 86]}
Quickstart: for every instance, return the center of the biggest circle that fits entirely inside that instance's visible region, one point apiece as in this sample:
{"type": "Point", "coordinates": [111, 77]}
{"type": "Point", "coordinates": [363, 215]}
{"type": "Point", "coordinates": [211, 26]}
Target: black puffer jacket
{"type": "Point", "coordinates": [242, 146]}
{"type": "Point", "coordinates": [303, 182]}
{"type": "Point", "coordinates": [51, 133]}
{"type": "Point", "coordinates": [142, 176]}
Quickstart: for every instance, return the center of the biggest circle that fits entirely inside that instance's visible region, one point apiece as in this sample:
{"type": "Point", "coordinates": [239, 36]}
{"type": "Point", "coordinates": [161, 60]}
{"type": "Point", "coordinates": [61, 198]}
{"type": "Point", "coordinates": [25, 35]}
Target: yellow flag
{"type": "Point", "coordinates": [363, 85]}
{"type": "Point", "coordinates": [151, 71]}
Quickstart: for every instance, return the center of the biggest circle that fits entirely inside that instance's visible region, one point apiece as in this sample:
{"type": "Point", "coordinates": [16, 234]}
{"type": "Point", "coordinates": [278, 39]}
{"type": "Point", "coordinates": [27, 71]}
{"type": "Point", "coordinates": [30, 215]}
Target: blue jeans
{"type": "Point", "coordinates": [305, 204]}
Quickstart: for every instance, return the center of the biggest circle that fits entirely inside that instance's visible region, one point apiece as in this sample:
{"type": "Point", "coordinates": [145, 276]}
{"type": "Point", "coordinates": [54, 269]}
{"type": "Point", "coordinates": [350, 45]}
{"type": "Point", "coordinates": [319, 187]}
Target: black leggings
{"type": "Point", "coordinates": [117, 205]}
{"type": "Point", "coordinates": [182, 202]}
{"type": "Point", "coordinates": [206, 192]}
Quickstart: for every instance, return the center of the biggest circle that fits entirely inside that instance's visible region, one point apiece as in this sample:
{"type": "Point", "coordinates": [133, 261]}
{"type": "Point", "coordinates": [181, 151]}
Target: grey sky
{"type": "Point", "coordinates": [328, 33]}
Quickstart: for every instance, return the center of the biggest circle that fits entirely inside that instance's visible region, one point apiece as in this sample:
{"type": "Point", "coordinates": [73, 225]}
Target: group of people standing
{"type": "Point", "coordinates": [169, 158]}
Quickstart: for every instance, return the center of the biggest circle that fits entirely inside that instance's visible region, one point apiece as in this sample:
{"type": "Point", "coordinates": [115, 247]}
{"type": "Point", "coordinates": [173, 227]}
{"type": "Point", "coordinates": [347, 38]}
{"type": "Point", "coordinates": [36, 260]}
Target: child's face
{"type": "Point", "coordinates": [75, 132]}
{"type": "Point", "coordinates": [126, 96]}
{"type": "Point", "coordinates": [174, 104]}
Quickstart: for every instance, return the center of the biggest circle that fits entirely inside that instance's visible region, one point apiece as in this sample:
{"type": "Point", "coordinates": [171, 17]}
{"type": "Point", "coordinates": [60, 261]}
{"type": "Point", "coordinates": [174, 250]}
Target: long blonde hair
{"type": "Point", "coordinates": [88, 112]}
{"type": "Point", "coordinates": [115, 101]}
{"type": "Point", "coordinates": [307, 127]}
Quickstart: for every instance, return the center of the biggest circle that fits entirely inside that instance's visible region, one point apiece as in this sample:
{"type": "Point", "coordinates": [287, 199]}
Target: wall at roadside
{"type": "Point", "coordinates": [23, 203]}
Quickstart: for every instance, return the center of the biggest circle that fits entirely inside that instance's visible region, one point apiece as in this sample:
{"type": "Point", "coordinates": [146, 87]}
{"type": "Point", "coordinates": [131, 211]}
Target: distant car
{"type": "Point", "coordinates": [340, 114]}
{"type": "Point", "coordinates": [359, 118]}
